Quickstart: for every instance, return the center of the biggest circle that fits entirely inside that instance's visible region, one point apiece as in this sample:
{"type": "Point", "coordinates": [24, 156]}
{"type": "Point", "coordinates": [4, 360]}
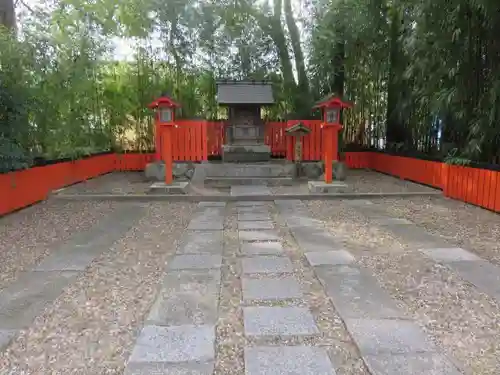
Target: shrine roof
{"type": "Point", "coordinates": [332, 99]}
{"type": "Point", "coordinates": [244, 92]}
{"type": "Point", "coordinates": [166, 100]}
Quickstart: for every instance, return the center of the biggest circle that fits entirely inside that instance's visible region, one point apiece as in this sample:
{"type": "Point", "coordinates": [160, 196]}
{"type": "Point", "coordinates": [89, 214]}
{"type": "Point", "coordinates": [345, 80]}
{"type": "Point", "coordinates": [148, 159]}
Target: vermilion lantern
{"type": "Point", "coordinates": [332, 107]}
{"type": "Point", "coordinates": [164, 108]}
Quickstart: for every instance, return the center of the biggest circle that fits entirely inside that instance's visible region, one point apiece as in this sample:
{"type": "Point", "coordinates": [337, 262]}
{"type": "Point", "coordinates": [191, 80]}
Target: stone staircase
{"type": "Point", "coordinates": [220, 175]}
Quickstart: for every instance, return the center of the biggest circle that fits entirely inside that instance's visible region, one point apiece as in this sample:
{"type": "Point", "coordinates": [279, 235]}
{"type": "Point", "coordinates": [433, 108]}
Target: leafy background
{"type": "Point", "coordinates": [424, 75]}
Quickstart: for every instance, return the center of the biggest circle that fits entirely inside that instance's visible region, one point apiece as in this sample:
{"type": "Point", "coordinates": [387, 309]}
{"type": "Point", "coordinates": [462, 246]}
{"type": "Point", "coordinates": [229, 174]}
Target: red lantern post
{"type": "Point", "coordinates": [332, 108]}
{"type": "Point", "coordinates": [164, 123]}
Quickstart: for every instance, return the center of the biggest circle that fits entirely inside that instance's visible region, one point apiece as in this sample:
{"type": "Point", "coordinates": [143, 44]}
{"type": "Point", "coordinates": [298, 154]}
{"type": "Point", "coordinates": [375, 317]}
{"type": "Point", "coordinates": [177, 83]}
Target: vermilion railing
{"type": "Point", "coordinates": [195, 140]}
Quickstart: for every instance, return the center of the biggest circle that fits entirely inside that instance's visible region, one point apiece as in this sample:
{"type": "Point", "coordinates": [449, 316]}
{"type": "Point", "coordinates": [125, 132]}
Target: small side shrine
{"type": "Point", "coordinates": [332, 107]}
{"type": "Point", "coordinates": [244, 130]}
{"type": "Point", "coordinates": [297, 131]}
{"type": "Point", "coordinates": [164, 108]}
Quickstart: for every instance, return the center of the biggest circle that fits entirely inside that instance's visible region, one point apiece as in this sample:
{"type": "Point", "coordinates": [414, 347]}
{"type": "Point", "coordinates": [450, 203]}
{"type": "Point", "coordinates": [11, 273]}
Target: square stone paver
{"type": "Point", "coordinates": [174, 344]}
{"type": "Point", "coordinates": [253, 210]}
{"type": "Point", "coordinates": [202, 242]}
{"type": "Point", "coordinates": [314, 240]}
{"type": "Point", "coordinates": [266, 264]}
{"type": "Point", "coordinates": [294, 220]}
{"type": "Point", "coordinates": [251, 203]}
{"type": "Point", "coordinates": [250, 190]}
{"type": "Point", "coordinates": [187, 297]}
{"type": "Point", "coordinates": [211, 204]}
{"type": "Point", "coordinates": [484, 275]}
{"type": "Point", "coordinates": [263, 235]}
{"type": "Point", "coordinates": [410, 364]}
{"type": "Point", "coordinates": [357, 294]}
{"type": "Point", "coordinates": [278, 321]}
{"type": "Point", "coordinates": [29, 295]}
{"type": "Point", "coordinates": [73, 260]}
{"type": "Point", "coordinates": [447, 255]}
{"type": "Point", "coordinates": [331, 258]}
{"type": "Point", "coordinates": [255, 225]}
{"type": "Point", "coordinates": [215, 224]}
{"type": "Point", "coordinates": [417, 237]}
{"type": "Point", "coordinates": [377, 336]}
{"type": "Point", "coordinates": [247, 214]}
{"type": "Point", "coordinates": [268, 289]}
{"type": "Point", "coordinates": [287, 360]}
{"type": "Point", "coordinates": [195, 261]}
{"type": "Point", "coordinates": [254, 216]}
{"type": "Point", "coordinates": [164, 368]}
{"type": "Point", "coordinates": [262, 248]}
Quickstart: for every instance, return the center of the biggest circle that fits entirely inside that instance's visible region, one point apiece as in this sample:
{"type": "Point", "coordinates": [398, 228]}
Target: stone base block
{"type": "Point", "coordinates": [318, 187]}
{"type": "Point", "coordinates": [245, 153]}
{"type": "Point", "coordinates": [176, 188]}
{"type": "Point", "coordinates": [155, 171]}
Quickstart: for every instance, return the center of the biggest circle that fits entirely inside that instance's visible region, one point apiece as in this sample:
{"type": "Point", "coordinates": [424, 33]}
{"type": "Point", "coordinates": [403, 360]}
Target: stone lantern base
{"type": "Point", "coordinates": [175, 188]}
{"type": "Point", "coordinates": [321, 187]}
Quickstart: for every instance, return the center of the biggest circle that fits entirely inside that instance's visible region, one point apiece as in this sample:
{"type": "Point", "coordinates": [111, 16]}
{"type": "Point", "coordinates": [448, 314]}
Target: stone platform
{"type": "Point", "coordinates": [246, 153]}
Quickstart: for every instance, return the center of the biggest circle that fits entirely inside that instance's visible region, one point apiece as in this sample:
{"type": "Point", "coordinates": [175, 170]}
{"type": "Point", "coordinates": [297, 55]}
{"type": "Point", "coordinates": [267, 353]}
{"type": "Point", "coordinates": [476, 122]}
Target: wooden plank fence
{"type": "Point", "coordinates": [196, 140]}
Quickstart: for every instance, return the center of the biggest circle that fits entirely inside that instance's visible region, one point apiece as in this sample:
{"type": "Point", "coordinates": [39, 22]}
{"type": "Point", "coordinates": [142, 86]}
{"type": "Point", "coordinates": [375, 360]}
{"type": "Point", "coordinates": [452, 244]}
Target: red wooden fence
{"type": "Point", "coordinates": [23, 188]}
{"type": "Point", "coordinates": [189, 141]}
{"type": "Point", "coordinates": [477, 186]}
{"type": "Point", "coordinates": [275, 137]}
{"type": "Point", "coordinates": [215, 137]}
{"type": "Point", "coordinates": [472, 185]}
{"type": "Point", "coordinates": [312, 144]}
{"type": "Point", "coordinates": [196, 140]}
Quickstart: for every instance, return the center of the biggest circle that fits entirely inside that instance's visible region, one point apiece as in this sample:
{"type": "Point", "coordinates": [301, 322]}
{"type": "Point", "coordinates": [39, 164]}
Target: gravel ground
{"type": "Point", "coordinates": [91, 328]}
{"type": "Point", "coordinates": [463, 321]}
{"type": "Point", "coordinates": [467, 226]}
{"type": "Point", "coordinates": [361, 181]}
{"type": "Point", "coordinates": [29, 235]}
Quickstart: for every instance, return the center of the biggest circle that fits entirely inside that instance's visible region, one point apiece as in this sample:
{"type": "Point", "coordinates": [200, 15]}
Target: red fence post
{"type": "Point", "coordinates": [167, 153]}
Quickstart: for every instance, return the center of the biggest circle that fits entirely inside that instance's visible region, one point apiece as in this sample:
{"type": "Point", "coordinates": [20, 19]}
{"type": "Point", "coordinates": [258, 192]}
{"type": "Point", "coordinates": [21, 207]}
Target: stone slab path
{"type": "Point", "coordinates": [260, 288]}
{"type": "Point", "coordinates": [484, 275]}
{"type": "Point", "coordinates": [281, 333]}
{"type": "Point", "coordinates": [27, 297]}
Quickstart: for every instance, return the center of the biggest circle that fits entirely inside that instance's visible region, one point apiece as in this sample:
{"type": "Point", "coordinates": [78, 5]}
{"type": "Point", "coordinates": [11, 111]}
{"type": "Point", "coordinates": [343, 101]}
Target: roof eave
{"type": "Point", "coordinates": [247, 103]}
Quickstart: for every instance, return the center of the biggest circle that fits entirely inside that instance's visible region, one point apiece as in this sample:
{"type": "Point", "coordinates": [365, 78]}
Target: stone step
{"type": "Point", "coordinates": [250, 170]}
{"type": "Point", "coordinates": [232, 180]}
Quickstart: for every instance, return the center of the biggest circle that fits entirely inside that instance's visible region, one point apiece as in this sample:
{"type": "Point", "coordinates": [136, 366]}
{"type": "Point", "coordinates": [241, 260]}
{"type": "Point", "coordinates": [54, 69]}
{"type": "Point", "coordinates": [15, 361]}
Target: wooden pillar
{"type": "Point", "coordinates": [158, 136]}
{"type": "Point", "coordinates": [167, 153]}
{"type": "Point", "coordinates": [335, 143]}
{"type": "Point", "coordinates": [328, 131]}
{"type": "Point", "coordinates": [331, 153]}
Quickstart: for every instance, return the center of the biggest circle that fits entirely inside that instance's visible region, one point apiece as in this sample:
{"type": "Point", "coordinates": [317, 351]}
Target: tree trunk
{"type": "Point", "coordinates": [338, 66]}
{"type": "Point", "coordinates": [395, 132]}
{"type": "Point", "coordinates": [303, 82]}
{"type": "Point", "coordinates": [271, 26]}
{"type": "Point", "coordinates": [7, 14]}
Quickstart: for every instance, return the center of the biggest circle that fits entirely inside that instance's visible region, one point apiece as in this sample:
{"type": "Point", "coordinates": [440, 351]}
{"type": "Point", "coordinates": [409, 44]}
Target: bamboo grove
{"type": "Point", "coordinates": [424, 75]}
